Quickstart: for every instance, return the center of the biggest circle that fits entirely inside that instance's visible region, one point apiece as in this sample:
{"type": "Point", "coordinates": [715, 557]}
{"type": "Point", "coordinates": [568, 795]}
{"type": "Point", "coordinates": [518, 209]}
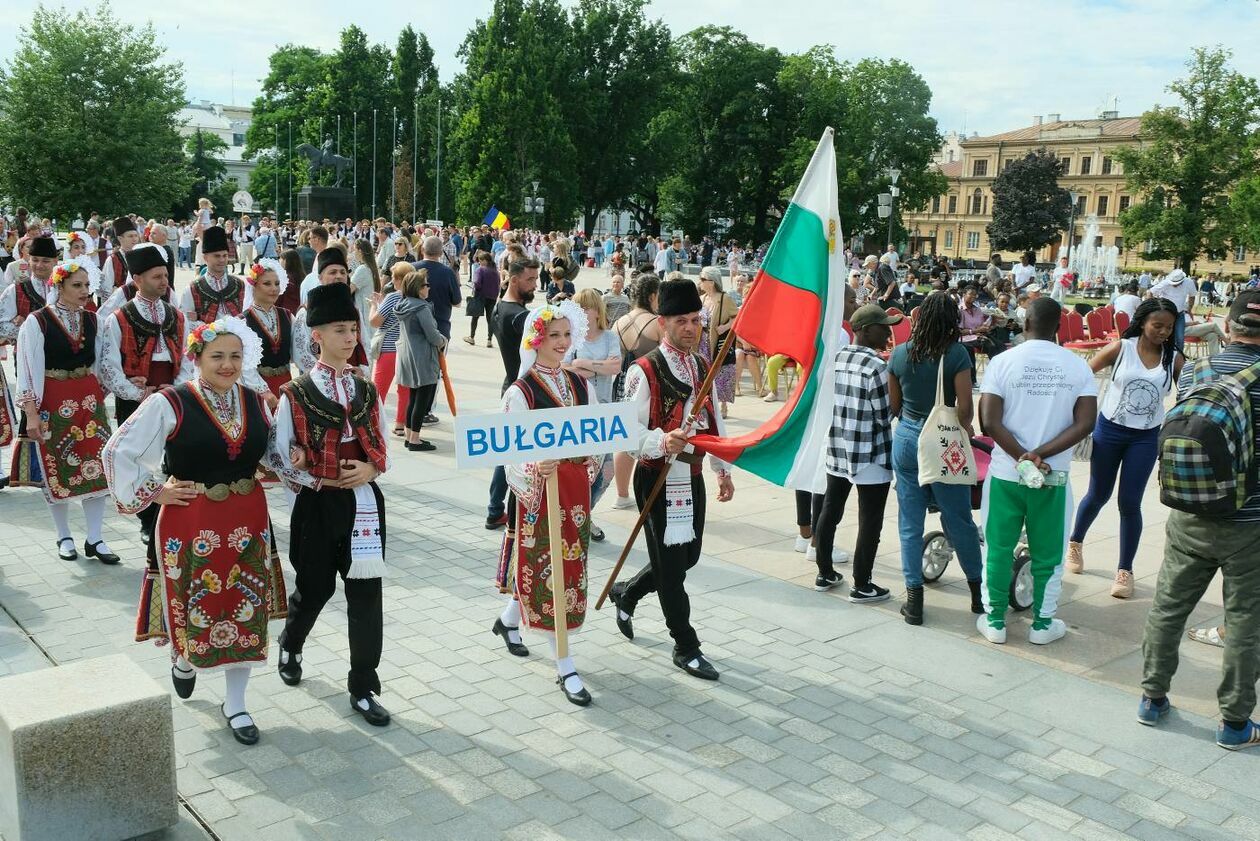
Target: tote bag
{"type": "Point", "coordinates": [945, 453]}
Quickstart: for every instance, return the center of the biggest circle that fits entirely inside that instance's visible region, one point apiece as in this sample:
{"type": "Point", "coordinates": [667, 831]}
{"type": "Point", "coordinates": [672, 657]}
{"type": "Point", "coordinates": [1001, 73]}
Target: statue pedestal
{"type": "Point", "coordinates": [318, 203]}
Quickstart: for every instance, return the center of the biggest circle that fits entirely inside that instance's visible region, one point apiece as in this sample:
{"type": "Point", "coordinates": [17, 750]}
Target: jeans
{"type": "Point", "coordinates": [185, 256]}
{"type": "Point", "coordinates": [1131, 454]}
{"type": "Point", "coordinates": [954, 502]}
{"type": "Point", "coordinates": [1179, 332]}
{"type": "Point", "coordinates": [498, 494]}
{"type": "Point", "coordinates": [872, 500]}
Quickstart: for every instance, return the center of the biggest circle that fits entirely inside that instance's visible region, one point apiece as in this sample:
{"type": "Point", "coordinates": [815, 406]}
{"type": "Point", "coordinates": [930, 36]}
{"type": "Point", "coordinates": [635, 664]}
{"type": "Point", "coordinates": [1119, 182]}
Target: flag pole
{"type": "Point", "coordinates": [701, 396]}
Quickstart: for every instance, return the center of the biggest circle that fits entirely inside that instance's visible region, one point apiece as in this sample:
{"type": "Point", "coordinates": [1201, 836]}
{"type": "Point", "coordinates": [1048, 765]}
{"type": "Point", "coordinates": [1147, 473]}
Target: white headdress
{"type": "Point", "coordinates": [266, 264]}
{"type": "Point", "coordinates": [82, 237]}
{"type": "Point", "coordinates": [79, 264]}
{"type": "Point", "coordinates": [536, 329]}
{"type": "Point", "coordinates": [204, 334]}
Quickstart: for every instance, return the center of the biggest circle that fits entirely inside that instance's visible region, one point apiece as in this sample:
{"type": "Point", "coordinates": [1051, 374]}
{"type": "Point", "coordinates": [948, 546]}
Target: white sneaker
{"type": "Point", "coordinates": [1056, 631]}
{"type": "Point", "coordinates": [838, 556]}
{"type": "Point", "coordinates": [623, 502]}
{"type": "Point", "coordinates": [811, 554]}
{"type": "Point", "coordinates": [997, 636]}
{"type": "Point", "coordinates": [802, 544]}
{"type": "Point", "coordinates": [770, 397]}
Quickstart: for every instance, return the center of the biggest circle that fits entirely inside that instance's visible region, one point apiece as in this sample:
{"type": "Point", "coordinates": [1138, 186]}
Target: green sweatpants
{"type": "Point", "coordinates": [1009, 509]}
{"type": "Point", "coordinates": [1194, 549]}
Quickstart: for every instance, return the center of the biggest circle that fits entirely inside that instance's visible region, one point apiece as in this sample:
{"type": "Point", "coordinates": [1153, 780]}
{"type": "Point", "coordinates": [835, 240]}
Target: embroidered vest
{"type": "Point", "coordinates": [121, 275]}
{"type": "Point", "coordinates": [318, 421]}
{"type": "Point", "coordinates": [27, 299]}
{"type": "Point", "coordinates": [198, 450]}
{"type": "Point", "coordinates": [277, 349]}
{"type": "Point", "coordinates": [669, 397]}
{"type": "Point", "coordinates": [140, 337]}
{"type": "Point", "coordinates": [207, 301]}
{"type": "Point", "coordinates": [538, 397]}
{"type": "Point", "coordinates": [61, 351]}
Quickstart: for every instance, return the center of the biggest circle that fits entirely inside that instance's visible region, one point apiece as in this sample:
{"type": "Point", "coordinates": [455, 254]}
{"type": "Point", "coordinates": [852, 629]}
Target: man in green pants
{"type": "Point", "coordinates": [1036, 402]}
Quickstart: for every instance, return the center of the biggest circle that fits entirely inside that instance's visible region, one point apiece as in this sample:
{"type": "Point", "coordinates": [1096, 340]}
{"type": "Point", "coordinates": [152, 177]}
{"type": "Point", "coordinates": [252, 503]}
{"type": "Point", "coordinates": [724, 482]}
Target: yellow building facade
{"type": "Point", "coordinates": [953, 224]}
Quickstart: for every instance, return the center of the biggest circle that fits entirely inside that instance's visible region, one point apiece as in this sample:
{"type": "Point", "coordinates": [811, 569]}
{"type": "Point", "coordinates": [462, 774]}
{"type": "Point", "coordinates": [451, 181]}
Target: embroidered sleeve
{"type": "Point", "coordinates": [187, 307]}
{"type": "Point", "coordinates": [305, 352]}
{"type": "Point", "coordinates": [251, 379]}
{"type": "Point", "coordinates": [112, 304]}
{"type": "Point", "coordinates": [110, 363]}
{"type": "Point", "coordinates": [651, 441]}
{"type": "Point", "coordinates": [8, 314]}
{"type": "Point", "coordinates": [523, 479]}
{"type": "Point", "coordinates": [279, 439]}
{"type": "Point", "coordinates": [132, 459]}
{"type": "Point", "coordinates": [721, 468]}
{"type": "Point", "coordinates": [30, 363]}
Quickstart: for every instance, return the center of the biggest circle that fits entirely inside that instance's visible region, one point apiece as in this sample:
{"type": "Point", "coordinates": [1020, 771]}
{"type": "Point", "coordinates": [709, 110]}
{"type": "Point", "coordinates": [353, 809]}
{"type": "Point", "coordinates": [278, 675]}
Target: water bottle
{"type": "Point", "coordinates": [1029, 474]}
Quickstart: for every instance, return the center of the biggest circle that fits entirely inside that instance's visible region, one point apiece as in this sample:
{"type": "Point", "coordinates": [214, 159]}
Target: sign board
{"type": "Point", "coordinates": [434, 223]}
{"type": "Point", "coordinates": [242, 201]}
{"type": "Point", "coordinates": [490, 440]}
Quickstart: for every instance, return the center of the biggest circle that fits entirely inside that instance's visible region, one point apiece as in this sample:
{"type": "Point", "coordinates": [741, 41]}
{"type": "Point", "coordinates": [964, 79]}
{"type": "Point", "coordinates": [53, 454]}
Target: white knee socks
{"type": "Point", "coordinates": [94, 512]}
{"type": "Point", "coordinates": [236, 678]}
{"type": "Point", "coordinates": [565, 666]}
{"type": "Point", "coordinates": [61, 519]}
{"type": "Point", "coordinates": [511, 618]}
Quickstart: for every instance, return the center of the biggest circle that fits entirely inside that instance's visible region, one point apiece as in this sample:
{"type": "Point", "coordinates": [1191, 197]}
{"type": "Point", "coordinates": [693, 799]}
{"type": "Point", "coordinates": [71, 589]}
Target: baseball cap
{"type": "Point", "coordinates": [1246, 308]}
{"type": "Point", "coordinates": [870, 314]}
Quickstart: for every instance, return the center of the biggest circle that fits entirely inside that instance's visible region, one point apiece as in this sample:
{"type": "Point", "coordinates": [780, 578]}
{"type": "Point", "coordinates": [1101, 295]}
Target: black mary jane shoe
{"type": "Point", "coordinates": [107, 558]}
{"type": "Point", "coordinates": [516, 649]}
{"type": "Point", "coordinates": [626, 626]}
{"type": "Point", "coordinates": [183, 685]}
{"type": "Point", "coordinates": [703, 668]}
{"type": "Point", "coordinates": [582, 698]}
{"type": "Point", "coordinates": [597, 534]}
{"type": "Point", "coordinates": [246, 734]}
{"type": "Point", "coordinates": [70, 554]}
{"type": "Point", "coordinates": [291, 672]}
{"type": "Point", "coordinates": [375, 714]}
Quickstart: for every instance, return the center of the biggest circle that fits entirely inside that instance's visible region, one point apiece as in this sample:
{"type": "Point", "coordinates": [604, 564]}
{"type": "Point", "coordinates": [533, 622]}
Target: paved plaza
{"type": "Point", "coordinates": [830, 721]}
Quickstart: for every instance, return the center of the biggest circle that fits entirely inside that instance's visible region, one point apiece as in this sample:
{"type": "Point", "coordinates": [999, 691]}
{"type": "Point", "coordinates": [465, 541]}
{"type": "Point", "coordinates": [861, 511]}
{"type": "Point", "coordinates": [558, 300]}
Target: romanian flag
{"type": "Point", "coordinates": [796, 307]}
{"type": "Point", "coordinates": [497, 219]}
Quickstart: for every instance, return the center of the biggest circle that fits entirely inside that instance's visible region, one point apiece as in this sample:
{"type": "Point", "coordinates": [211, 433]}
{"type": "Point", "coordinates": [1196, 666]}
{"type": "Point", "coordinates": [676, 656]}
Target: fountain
{"type": "Point", "coordinates": [1087, 261]}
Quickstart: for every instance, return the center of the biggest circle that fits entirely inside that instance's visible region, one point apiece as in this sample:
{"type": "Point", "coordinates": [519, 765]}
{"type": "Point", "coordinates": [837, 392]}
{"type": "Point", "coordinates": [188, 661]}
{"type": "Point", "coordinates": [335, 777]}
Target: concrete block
{"type": "Point", "coordinates": [87, 751]}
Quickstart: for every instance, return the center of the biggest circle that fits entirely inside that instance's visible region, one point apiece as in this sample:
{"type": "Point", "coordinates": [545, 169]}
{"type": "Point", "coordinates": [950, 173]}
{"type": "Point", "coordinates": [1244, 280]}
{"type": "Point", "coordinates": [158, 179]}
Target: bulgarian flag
{"type": "Point", "coordinates": [796, 308]}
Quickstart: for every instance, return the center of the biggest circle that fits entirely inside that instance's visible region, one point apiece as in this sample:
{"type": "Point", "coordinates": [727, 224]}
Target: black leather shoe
{"type": "Point", "coordinates": [597, 534]}
{"type": "Point", "coordinates": [515, 648]}
{"type": "Point", "coordinates": [246, 734]}
{"type": "Point", "coordinates": [107, 558]}
{"type": "Point", "coordinates": [375, 714]}
{"type": "Point", "coordinates": [420, 446]}
{"type": "Point", "coordinates": [183, 685]}
{"type": "Point", "coordinates": [703, 668]}
{"type": "Point", "coordinates": [493, 523]}
{"type": "Point", "coordinates": [291, 672]}
{"type": "Point", "coordinates": [582, 698]}
{"type": "Point", "coordinates": [616, 595]}
{"type": "Point", "coordinates": [145, 537]}
{"type": "Point", "coordinates": [67, 554]}
{"type": "Point", "coordinates": [4, 482]}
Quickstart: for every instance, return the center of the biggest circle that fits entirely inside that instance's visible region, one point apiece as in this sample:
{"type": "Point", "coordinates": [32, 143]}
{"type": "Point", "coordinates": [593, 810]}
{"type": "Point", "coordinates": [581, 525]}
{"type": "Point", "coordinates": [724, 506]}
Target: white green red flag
{"type": "Point", "coordinates": [796, 308]}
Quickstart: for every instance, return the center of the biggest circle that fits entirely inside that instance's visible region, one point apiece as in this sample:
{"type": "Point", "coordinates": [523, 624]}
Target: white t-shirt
{"type": "Point", "coordinates": [1039, 383]}
{"type": "Point", "coordinates": [1127, 304]}
{"type": "Point", "coordinates": [658, 262]}
{"type": "Point", "coordinates": [1025, 276]}
{"type": "Point", "coordinates": [1179, 293]}
{"type": "Point", "coordinates": [308, 283]}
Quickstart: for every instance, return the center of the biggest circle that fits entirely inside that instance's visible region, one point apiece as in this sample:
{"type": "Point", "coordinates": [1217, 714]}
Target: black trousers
{"type": "Point", "coordinates": [419, 404]}
{"type": "Point", "coordinates": [807, 507]}
{"type": "Point", "coordinates": [871, 502]}
{"type": "Point", "coordinates": [319, 551]}
{"type": "Point", "coordinates": [666, 572]}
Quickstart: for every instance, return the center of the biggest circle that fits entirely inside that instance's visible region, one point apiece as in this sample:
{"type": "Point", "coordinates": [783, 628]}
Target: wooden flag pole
{"type": "Point", "coordinates": [446, 383]}
{"type": "Point", "coordinates": [701, 396]}
{"type": "Point", "coordinates": [559, 599]}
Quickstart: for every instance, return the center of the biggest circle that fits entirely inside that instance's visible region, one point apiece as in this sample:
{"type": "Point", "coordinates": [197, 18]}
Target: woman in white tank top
{"type": "Point", "coordinates": [1144, 366]}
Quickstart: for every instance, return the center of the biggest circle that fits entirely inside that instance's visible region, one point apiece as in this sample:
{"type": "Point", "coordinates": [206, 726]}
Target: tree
{"type": "Point", "coordinates": [1192, 157]}
{"type": "Point", "coordinates": [204, 151]}
{"type": "Point", "coordinates": [89, 84]}
{"type": "Point", "coordinates": [1029, 206]}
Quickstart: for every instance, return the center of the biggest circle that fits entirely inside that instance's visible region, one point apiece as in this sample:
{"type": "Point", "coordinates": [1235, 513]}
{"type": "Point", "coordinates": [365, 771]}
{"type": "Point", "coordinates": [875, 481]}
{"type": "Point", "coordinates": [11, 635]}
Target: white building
{"type": "Point", "coordinates": [228, 123]}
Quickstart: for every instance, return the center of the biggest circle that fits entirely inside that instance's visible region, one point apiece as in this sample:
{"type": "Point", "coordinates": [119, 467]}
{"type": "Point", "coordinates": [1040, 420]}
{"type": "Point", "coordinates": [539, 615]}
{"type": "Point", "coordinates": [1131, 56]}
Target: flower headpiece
{"type": "Point", "coordinates": [257, 270]}
{"type": "Point", "coordinates": [77, 236]}
{"type": "Point", "coordinates": [536, 322]}
{"type": "Point", "coordinates": [204, 334]}
{"type": "Point", "coordinates": [79, 264]}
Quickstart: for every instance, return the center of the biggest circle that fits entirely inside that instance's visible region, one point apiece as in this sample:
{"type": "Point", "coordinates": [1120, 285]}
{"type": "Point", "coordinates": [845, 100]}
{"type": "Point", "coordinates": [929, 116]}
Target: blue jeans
{"type": "Point", "coordinates": [1179, 332]}
{"type": "Point", "coordinates": [954, 502]}
{"type": "Point", "coordinates": [1131, 454]}
{"type": "Point", "coordinates": [498, 494]}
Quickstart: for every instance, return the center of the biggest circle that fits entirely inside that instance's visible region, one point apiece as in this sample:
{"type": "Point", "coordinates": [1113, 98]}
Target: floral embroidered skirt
{"type": "Point", "coordinates": [534, 579]}
{"type": "Point", "coordinates": [74, 412]}
{"type": "Point", "coordinates": [217, 579]}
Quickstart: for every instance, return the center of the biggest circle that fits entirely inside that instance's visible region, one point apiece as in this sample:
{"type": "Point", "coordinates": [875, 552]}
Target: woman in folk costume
{"type": "Point", "coordinates": [193, 449]}
{"type": "Point", "coordinates": [58, 348]}
{"type": "Point", "coordinates": [550, 330]}
{"type": "Point", "coordinates": [266, 281]}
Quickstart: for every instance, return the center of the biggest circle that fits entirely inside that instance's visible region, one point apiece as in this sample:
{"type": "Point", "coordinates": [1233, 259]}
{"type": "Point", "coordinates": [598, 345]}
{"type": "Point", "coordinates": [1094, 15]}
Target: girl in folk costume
{"type": "Point", "coordinates": [77, 245]}
{"type": "Point", "coordinates": [64, 406]}
{"type": "Point", "coordinates": [193, 450]}
{"type": "Point", "coordinates": [273, 325]}
{"type": "Point", "coordinates": [550, 330]}
{"type": "Point", "coordinates": [329, 446]}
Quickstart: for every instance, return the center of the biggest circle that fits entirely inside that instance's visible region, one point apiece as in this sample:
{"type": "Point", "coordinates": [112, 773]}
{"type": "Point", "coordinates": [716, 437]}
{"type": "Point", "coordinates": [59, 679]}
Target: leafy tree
{"type": "Point", "coordinates": [1193, 156]}
{"type": "Point", "coordinates": [204, 153]}
{"type": "Point", "coordinates": [1029, 206]}
{"type": "Point", "coordinates": [360, 80]}
{"type": "Point", "coordinates": [90, 84]}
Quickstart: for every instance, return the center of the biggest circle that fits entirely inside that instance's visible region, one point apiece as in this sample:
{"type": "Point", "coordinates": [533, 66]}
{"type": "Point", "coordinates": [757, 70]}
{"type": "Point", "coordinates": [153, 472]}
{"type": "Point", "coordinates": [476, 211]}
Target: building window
{"type": "Point", "coordinates": [949, 237]}
{"type": "Point", "coordinates": [1065, 165]}
{"type": "Point", "coordinates": [979, 168]}
{"type": "Point", "coordinates": [1098, 242]}
{"type": "Point", "coordinates": [1080, 205]}
{"type": "Point", "coordinates": [975, 202]}
{"type": "Point", "coordinates": [1106, 165]}
{"type": "Point", "coordinates": [952, 207]}
{"type": "Point", "coordinates": [1124, 203]}
{"type": "Point", "coordinates": [973, 240]}
{"type": "Point", "coordinates": [1119, 243]}
{"type": "Point", "coordinates": [1006, 164]}
{"type": "Point", "coordinates": [238, 139]}
{"type": "Point", "coordinates": [1102, 205]}
{"type": "Point", "coordinates": [1087, 163]}
{"type": "Point", "coordinates": [1240, 254]}
{"type": "Point", "coordinates": [936, 204]}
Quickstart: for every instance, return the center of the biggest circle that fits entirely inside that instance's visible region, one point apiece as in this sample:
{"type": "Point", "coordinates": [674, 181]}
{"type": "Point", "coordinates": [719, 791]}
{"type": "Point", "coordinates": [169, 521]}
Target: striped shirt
{"type": "Point", "coordinates": [385, 309]}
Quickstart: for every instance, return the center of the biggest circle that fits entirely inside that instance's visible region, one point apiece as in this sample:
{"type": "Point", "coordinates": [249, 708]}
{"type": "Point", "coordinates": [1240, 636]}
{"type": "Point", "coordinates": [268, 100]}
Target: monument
{"type": "Point", "coordinates": [316, 201]}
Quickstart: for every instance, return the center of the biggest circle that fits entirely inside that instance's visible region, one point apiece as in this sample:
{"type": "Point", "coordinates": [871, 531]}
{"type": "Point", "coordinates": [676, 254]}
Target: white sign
{"type": "Point", "coordinates": [242, 201]}
{"type": "Point", "coordinates": [517, 437]}
{"type": "Point", "coordinates": [434, 223]}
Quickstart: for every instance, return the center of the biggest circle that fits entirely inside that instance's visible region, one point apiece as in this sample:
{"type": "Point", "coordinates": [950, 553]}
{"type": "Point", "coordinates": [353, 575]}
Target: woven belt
{"type": "Point", "coordinates": [63, 374]}
{"type": "Point", "coordinates": [1055, 479]}
{"type": "Point", "coordinates": [272, 372]}
{"type": "Point", "coordinates": [218, 493]}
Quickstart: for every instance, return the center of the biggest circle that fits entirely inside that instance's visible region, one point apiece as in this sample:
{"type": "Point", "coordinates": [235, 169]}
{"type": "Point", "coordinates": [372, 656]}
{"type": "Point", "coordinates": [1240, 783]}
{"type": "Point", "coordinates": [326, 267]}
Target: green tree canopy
{"type": "Point", "coordinates": [89, 117]}
{"type": "Point", "coordinates": [205, 153]}
{"type": "Point", "coordinates": [1029, 206]}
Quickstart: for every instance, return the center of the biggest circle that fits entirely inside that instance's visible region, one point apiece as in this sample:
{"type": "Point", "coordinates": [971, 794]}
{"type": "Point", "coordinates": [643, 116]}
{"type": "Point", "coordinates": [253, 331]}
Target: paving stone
{"type": "Point", "coordinates": [1148, 809]}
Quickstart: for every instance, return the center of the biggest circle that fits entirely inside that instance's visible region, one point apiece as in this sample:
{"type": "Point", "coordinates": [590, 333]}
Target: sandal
{"type": "Point", "coordinates": [1207, 636]}
{"type": "Point", "coordinates": [399, 431]}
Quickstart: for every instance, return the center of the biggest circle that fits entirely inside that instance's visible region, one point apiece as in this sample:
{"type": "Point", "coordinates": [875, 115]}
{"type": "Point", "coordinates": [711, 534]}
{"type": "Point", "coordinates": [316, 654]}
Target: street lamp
{"type": "Point", "coordinates": [893, 191]}
{"type": "Point", "coordinates": [1072, 222]}
{"type": "Point", "coordinates": [534, 205]}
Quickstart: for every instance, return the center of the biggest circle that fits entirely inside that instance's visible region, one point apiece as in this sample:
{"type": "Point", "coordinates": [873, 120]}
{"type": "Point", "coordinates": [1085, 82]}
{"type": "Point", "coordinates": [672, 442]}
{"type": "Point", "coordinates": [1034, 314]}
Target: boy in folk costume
{"type": "Point", "coordinates": [330, 267]}
{"type": "Point", "coordinates": [216, 293]}
{"type": "Point", "coordinates": [662, 384]}
{"type": "Point", "coordinates": [529, 572]}
{"type": "Point", "coordinates": [329, 447]}
{"type": "Point", "coordinates": [115, 271]}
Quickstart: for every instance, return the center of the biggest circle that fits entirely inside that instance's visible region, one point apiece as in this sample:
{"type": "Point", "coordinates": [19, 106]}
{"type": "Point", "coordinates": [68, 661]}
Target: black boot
{"type": "Point", "coordinates": [977, 603]}
{"type": "Point", "coordinates": [913, 608]}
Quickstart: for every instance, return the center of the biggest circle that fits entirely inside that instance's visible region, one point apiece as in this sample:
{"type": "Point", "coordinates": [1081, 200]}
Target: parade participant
{"type": "Point", "coordinates": [662, 385]}
{"type": "Point", "coordinates": [64, 406]}
{"type": "Point", "coordinates": [273, 325]}
{"type": "Point", "coordinates": [126, 290]}
{"type": "Point", "coordinates": [115, 270]}
{"type": "Point", "coordinates": [76, 246]}
{"type": "Point", "coordinates": [550, 330]}
{"type": "Point", "coordinates": [192, 452]}
{"type": "Point", "coordinates": [21, 299]}
{"type": "Point", "coordinates": [215, 293]}
{"type": "Point", "coordinates": [330, 268]}
{"type": "Point", "coordinates": [328, 444]}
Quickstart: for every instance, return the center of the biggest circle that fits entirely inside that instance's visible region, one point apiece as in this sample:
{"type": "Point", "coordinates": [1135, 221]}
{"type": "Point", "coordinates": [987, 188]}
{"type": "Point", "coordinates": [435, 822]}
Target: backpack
{"type": "Point", "coordinates": [1207, 444]}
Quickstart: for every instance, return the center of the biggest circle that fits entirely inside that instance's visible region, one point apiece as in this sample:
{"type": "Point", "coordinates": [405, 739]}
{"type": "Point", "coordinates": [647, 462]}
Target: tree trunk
{"type": "Point", "coordinates": [589, 216]}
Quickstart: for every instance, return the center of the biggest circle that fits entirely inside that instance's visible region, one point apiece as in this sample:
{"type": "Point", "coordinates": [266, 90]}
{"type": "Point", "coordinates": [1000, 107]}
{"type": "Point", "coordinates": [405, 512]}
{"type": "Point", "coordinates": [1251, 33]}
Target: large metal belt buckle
{"type": "Point", "coordinates": [242, 487]}
{"type": "Point", "coordinates": [218, 493]}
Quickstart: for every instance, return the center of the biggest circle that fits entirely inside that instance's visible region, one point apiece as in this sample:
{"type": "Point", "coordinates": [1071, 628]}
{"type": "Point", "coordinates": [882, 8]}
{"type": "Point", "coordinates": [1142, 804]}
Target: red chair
{"type": "Point", "coordinates": [1065, 334]}
{"type": "Point", "coordinates": [1122, 322]}
{"type": "Point", "coordinates": [1077, 341]}
{"type": "Point", "coordinates": [1099, 324]}
{"type": "Point", "coordinates": [901, 331]}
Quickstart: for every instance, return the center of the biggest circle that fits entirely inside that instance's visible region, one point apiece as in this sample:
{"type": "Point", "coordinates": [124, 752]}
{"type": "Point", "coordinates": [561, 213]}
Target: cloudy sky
{"type": "Point", "coordinates": [991, 64]}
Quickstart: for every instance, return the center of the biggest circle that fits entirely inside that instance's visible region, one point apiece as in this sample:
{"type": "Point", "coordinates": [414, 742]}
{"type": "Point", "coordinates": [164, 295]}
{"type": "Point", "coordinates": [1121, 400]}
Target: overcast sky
{"type": "Point", "coordinates": [991, 64]}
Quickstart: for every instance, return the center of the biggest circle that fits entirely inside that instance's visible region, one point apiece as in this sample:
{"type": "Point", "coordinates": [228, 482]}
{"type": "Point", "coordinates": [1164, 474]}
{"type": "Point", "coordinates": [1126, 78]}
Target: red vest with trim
{"type": "Point", "coordinates": [207, 301]}
{"type": "Point", "coordinates": [669, 398]}
{"type": "Point", "coordinates": [140, 337]}
{"type": "Point", "coordinates": [27, 299]}
{"type": "Point", "coordinates": [318, 422]}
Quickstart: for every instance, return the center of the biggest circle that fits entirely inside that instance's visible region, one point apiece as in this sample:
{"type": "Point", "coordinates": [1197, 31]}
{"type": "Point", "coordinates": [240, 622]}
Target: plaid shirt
{"type": "Point", "coordinates": [861, 422]}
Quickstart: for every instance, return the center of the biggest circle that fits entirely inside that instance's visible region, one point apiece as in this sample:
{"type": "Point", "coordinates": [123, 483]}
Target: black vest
{"type": "Point", "coordinates": [199, 452]}
{"type": "Point", "coordinates": [60, 354]}
{"type": "Point", "coordinates": [539, 397]}
{"type": "Point", "coordinates": [276, 350]}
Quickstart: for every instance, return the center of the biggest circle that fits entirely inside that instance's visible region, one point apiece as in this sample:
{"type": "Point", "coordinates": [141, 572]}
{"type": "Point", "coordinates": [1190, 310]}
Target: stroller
{"type": "Point", "coordinates": [938, 551]}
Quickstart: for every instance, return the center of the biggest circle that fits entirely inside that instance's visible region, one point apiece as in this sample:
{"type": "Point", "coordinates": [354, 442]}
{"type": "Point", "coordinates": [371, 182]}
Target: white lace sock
{"type": "Point", "coordinates": [61, 519]}
{"type": "Point", "coordinates": [236, 678]}
{"type": "Point", "coordinates": [565, 666]}
{"type": "Point", "coordinates": [94, 511]}
{"type": "Point", "coordinates": [511, 617]}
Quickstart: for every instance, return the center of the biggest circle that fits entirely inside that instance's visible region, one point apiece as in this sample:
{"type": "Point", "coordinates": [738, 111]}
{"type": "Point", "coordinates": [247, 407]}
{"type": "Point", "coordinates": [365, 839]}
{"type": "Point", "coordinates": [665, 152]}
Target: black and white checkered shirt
{"type": "Point", "coordinates": [861, 422]}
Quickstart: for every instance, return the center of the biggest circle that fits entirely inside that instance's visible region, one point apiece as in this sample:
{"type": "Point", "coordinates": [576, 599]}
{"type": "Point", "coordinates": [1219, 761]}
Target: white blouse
{"type": "Point", "coordinates": [9, 310]}
{"type": "Point", "coordinates": [30, 353]}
